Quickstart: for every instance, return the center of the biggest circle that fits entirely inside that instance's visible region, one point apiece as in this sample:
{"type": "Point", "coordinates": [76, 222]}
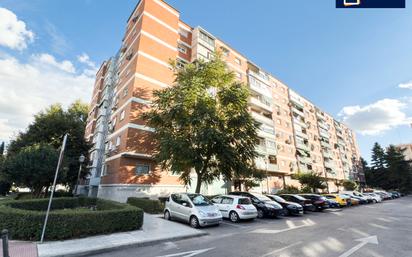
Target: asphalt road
{"type": "Point", "coordinates": [379, 230]}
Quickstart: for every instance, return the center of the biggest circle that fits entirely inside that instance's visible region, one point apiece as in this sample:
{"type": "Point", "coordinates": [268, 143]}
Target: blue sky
{"type": "Point", "coordinates": [348, 62]}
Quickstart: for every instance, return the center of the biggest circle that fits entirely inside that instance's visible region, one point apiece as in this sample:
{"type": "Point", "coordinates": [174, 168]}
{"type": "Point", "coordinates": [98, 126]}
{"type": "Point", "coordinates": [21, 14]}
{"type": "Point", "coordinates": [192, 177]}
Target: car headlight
{"type": "Point", "coordinates": [203, 214]}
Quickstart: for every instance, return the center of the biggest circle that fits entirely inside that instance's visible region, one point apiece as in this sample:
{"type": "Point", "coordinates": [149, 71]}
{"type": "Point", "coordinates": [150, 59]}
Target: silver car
{"type": "Point", "coordinates": [195, 209]}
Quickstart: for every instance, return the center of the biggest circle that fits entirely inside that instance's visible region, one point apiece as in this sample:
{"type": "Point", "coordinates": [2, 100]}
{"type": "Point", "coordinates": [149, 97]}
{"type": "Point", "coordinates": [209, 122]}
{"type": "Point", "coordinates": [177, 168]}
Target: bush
{"type": "Point", "coordinates": [69, 218]}
{"type": "Point", "coordinates": [24, 196]}
{"type": "Point", "coordinates": [289, 190]}
{"type": "Point", "coordinates": [147, 205]}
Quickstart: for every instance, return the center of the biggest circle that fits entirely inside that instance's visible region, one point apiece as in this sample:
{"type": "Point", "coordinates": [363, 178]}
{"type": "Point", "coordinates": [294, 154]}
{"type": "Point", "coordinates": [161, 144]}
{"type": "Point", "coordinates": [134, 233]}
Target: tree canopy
{"type": "Point", "coordinates": [45, 133]}
{"type": "Point", "coordinates": [203, 123]}
{"type": "Point", "coordinates": [389, 170]}
{"type": "Point", "coordinates": [311, 181]}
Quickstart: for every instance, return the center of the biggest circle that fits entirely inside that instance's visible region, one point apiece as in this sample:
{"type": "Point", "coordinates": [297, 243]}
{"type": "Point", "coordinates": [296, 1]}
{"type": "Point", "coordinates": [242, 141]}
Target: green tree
{"type": "Point", "coordinates": [33, 167]}
{"type": "Point", "coordinates": [378, 170]}
{"type": "Point", "coordinates": [2, 149]}
{"type": "Point", "coordinates": [49, 127]}
{"type": "Point", "coordinates": [399, 172]}
{"type": "Point", "coordinates": [311, 181]}
{"type": "Point", "coordinates": [349, 185]}
{"type": "Point", "coordinates": [203, 123]}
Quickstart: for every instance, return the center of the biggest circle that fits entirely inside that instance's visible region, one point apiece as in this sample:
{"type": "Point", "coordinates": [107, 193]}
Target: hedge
{"type": "Point", "coordinates": [69, 218]}
{"type": "Point", "coordinates": [147, 205]}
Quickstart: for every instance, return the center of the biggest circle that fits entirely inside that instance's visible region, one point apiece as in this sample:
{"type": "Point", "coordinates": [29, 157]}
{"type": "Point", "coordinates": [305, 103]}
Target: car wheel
{"type": "Point", "coordinates": [234, 217]}
{"type": "Point", "coordinates": [375, 201]}
{"type": "Point", "coordinates": [260, 214]}
{"type": "Point", "coordinates": [194, 222]}
{"type": "Point", "coordinates": [167, 215]}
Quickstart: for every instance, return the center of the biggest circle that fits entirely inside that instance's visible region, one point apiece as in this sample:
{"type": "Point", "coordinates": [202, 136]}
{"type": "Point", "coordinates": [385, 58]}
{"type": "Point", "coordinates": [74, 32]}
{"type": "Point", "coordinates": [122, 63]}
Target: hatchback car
{"type": "Point", "coordinates": [290, 207]}
{"type": "Point", "coordinates": [306, 204]}
{"type": "Point", "coordinates": [340, 199]}
{"type": "Point", "coordinates": [235, 207]}
{"type": "Point", "coordinates": [265, 206]}
{"type": "Point", "coordinates": [195, 209]}
{"type": "Point", "coordinates": [376, 198]}
{"type": "Point", "coordinates": [318, 201]}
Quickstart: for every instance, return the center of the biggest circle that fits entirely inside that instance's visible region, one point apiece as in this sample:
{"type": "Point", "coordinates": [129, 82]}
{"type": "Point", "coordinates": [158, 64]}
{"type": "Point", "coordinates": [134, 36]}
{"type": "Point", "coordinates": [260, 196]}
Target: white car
{"type": "Point", "coordinates": [195, 209]}
{"type": "Point", "coordinates": [376, 198]}
{"type": "Point", "coordinates": [235, 207]}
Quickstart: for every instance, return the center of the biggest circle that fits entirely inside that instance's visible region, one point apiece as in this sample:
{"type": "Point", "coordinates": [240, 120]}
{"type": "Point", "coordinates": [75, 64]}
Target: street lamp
{"type": "Point", "coordinates": [81, 160]}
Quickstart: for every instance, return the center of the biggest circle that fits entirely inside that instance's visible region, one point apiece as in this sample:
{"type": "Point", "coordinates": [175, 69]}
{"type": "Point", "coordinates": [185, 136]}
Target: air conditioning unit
{"type": "Point", "coordinates": [135, 18]}
{"type": "Point", "coordinates": [129, 56]}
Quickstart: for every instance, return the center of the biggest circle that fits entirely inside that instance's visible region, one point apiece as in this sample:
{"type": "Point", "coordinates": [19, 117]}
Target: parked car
{"type": "Point", "coordinates": [342, 200]}
{"type": "Point", "coordinates": [195, 209]}
{"type": "Point", "coordinates": [318, 201]}
{"type": "Point", "coordinates": [332, 203]}
{"type": "Point", "coordinates": [395, 194]}
{"type": "Point", "coordinates": [235, 207]}
{"type": "Point", "coordinates": [290, 207]}
{"type": "Point", "coordinates": [376, 198]}
{"type": "Point", "coordinates": [265, 206]}
{"type": "Point", "coordinates": [306, 204]}
{"type": "Point", "coordinates": [384, 195]}
{"type": "Point", "coordinates": [353, 201]}
{"type": "Point", "coordinates": [358, 196]}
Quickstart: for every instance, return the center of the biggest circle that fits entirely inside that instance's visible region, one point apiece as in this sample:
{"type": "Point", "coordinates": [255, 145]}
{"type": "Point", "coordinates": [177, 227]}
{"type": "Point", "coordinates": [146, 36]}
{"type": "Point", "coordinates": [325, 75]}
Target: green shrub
{"type": "Point", "coordinates": [289, 190]}
{"type": "Point", "coordinates": [147, 205]}
{"type": "Point", "coordinates": [69, 218]}
{"type": "Point", "coordinates": [57, 194]}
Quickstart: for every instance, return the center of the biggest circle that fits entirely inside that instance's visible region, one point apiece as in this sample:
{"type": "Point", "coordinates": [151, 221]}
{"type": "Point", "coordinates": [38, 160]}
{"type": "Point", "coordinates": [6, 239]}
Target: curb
{"type": "Point", "coordinates": [125, 246]}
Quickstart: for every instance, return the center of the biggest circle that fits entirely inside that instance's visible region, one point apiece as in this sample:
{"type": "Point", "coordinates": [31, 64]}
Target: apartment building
{"type": "Point", "coordinates": [406, 150]}
{"type": "Point", "coordinates": [294, 135]}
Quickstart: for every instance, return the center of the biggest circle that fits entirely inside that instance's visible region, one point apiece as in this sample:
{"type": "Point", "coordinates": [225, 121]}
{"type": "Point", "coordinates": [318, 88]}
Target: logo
{"type": "Point", "coordinates": [370, 3]}
{"type": "Point", "coordinates": [351, 2]}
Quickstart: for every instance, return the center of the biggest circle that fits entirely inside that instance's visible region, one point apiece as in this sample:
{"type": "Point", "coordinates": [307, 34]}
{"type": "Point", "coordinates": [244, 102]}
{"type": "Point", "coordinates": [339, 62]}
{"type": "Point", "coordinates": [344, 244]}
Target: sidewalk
{"type": "Point", "coordinates": [21, 249]}
{"type": "Point", "coordinates": [154, 230]}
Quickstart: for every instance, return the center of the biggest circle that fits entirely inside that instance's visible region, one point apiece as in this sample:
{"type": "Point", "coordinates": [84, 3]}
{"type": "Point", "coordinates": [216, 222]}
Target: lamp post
{"type": "Point", "coordinates": [81, 160]}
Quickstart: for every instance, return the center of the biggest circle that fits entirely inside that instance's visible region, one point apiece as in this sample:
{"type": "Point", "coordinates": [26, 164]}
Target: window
{"type": "Point", "coordinates": [183, 33]}
{"type": "Point", "coordinates": [182, 49]}
{"type": "Point", "coordinates": [122, 114]}
{"type": "Point", "coordinates": [238, 61]}
{"type": "Point", "coordinates": [283, 163]}
{"type": "Point", "coordinates": [227, 200]}
{"type": "Point", "coordinates": [118, 141]}
{"type": "Point", "coordinates": [114, 122]}
{"type": "Point", "coordinates": [238, 75]}
{"type": "Point", "coordinates": [210, 41]}
{"type": "Point", "coordinates": [142, 169]}
{"type": "Point", "coordinates": [225, 51]}
{"type": "Point", "coordinates": [125, 92]}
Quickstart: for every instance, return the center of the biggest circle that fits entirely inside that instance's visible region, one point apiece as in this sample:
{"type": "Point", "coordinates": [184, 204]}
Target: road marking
{"type": "Point", "coordinates": [363, 241]}
{"type": "Point", "coordinates": [377, 226]}
{"type": "Point", "coordinates": [188, 254]}
{"type": "Point", "coordinates": [233, 225]}
{"type": "Point", "coordinates": [281, 249]}
{"type": "Point", "coordinates": [384, 219]}
{"type": "Point", "coordinates": [306, 223]}
{"type": "Point", "coordinates": [337, 213]}
{"type": "Point", "coordinates": [169, 246]}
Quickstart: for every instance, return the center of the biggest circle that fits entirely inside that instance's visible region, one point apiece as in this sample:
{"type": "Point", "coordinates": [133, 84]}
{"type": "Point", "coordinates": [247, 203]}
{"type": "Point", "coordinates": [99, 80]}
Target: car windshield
{"type": "Point", "coordinates": [199, 200]}
{"type": "Point", "coordinates": [278, 198]}
{"type": "Point", "coordinates": [244, 201]}
{"type": "Point", "coordinates": [300, 198]}
{"type": "Point", "coordinates": [262, 197]}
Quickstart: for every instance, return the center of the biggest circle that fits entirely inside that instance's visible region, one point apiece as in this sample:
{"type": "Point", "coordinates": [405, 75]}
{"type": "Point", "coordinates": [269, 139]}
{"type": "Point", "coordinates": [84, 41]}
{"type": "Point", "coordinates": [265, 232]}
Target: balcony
{"type": "Point", "coordinates": [272, 167]}
{"type": "Point", "coordinates": [297, 111]}
{"type": "Point", "coordinates": [262, 164]}
{"type": "Point", "coordinates": [299, 122]}
{"type": "Point", "coordinates": [323, 125]}
{"type": "Point", "coordinates": [329, 164]}
{"type": "Point", "coordinates": [262, 119]}
{"type": "Point", "coordinates": [266, 131]}
{"type": "Point", "coordinates": [324, 134]}
{"type": "Point", "coordinates": [302, 146]}
{"type": "Point", "coordinates": [259, 87]}
{"type": "Point", "coordinates": [295, 100]}
{"type": "Point", "coordinates": [301, 134]}
{"type": "Point", "coordinates": [305, 159]}
{"type": "Point", "coordinates": [264, 79]}
{"type": "Point", "coordinates": [266, 105]}
{"type": "Point", "coordinates": [325, 144]}
{"type": "Point", "coordinates": [327, 154]}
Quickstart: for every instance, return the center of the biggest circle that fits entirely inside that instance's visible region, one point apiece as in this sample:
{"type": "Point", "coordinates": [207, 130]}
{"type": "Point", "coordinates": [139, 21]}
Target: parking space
{"type": "Point", "coordinates": [355, 231]}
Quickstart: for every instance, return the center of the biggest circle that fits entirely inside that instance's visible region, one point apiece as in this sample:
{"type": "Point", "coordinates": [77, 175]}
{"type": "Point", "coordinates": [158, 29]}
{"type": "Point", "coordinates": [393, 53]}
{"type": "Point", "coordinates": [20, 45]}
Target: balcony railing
{"type": "Point", "coordinates": [299, 122]}
{"type": "Point", "coordinates": [262, 104]}
{"type": "Point", "coordinates": [302, 146]}
{"type": "Point", "coordinates": [262, 119]}
{"type": "Point", "coordinates": [325, 144]}
{"type": "Point", "coordinates": [323, 134]}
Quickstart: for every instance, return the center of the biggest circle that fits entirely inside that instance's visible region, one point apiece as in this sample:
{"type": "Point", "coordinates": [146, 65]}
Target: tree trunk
{"type": "Point", "coordinates": [198, 183]}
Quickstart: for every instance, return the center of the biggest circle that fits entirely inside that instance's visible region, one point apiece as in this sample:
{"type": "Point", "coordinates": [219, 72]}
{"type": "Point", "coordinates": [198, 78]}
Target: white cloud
{"type": "Point", "coordinates": [13, 32]}
{"type": "Point", "coordinates": [49, 60]}
{"type": "Point", "coordinates": [85, 59]}
{"type": "Point", "coordinates": [377, 117]}
{"type": "Point", "coordinates": [28, 87]}
{"type": "Point", "coordinates": [407, 85]}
